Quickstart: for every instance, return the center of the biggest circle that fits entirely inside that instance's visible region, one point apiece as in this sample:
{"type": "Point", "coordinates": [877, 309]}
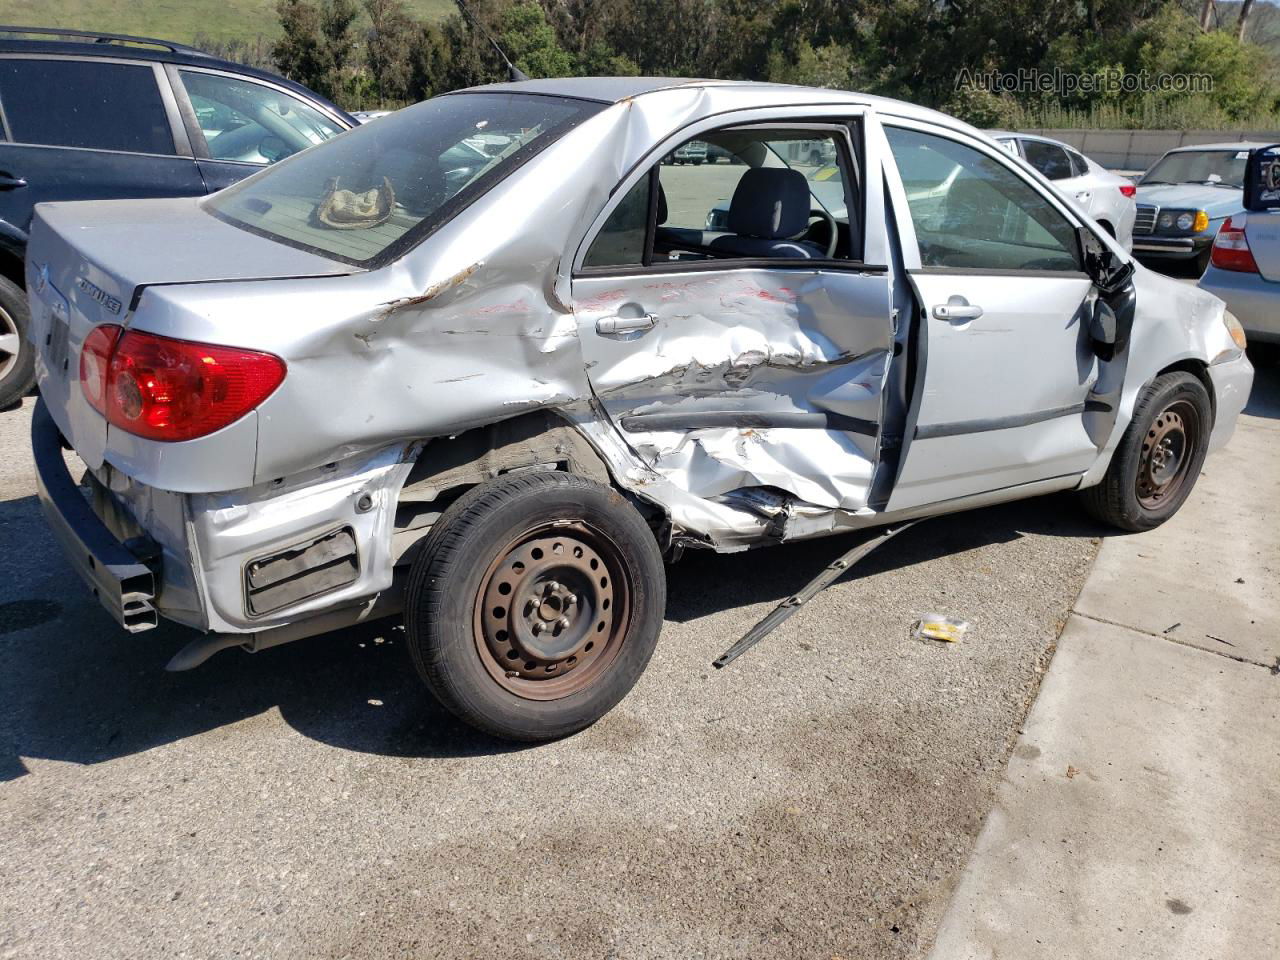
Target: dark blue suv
{"type": "Point", "coordinates": [94, 116]}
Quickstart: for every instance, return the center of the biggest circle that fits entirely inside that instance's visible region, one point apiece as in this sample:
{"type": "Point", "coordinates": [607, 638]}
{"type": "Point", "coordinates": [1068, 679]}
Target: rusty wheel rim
{"type": "Point", "coordinates": [1167, 452]}
{"type": "Point", "coordinates": [552, 611]}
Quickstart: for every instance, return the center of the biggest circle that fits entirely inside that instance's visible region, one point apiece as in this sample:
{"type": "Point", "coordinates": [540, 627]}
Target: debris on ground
{"type": "Point", "coordinates": [1168, 630]}
{"type": "Point", "coordinates": [1219, 639]}
{"type": "Point", "coordinates": [936, 626]}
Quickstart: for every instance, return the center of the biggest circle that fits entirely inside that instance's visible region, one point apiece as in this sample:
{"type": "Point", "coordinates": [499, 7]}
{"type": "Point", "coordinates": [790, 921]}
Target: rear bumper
{"type": "Point", "coordinates": [1254, 301]}
{"type": "Point", "coordinates": [117, 573]}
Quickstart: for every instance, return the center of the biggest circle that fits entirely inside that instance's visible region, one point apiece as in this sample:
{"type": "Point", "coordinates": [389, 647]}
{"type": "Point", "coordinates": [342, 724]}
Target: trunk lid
{"type": "Point", "coordinates": [86, 263]}
{"type": "Point", "coordinates": [1262, 230]}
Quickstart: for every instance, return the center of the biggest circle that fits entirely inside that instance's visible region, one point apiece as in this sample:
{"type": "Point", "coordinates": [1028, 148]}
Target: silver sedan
{"type": "Point", "coordinates": [492, 395]}
{"type": "Point", "coordinates": [1244, 271]}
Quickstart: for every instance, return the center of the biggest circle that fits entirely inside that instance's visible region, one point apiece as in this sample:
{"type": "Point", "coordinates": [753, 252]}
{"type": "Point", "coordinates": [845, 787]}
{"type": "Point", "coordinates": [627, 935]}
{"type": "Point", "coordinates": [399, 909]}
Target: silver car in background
{"type": "Point", "coordinates": [495, 397]}
{"type": "Point", "coordinates": [1105, 196]}
{"type": "Point", "coordinates": [1244, 271]}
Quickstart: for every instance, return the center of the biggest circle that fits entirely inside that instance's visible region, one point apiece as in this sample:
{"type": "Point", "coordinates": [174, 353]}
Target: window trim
{"type": "Point", "coordinates": [192, 122]}
{"type": "Point", "coordinates": [1001, 157]}
{"type": "Point", "coordinates": [839, 127]}
{"type": "Point", "coordinates": [177, 133]}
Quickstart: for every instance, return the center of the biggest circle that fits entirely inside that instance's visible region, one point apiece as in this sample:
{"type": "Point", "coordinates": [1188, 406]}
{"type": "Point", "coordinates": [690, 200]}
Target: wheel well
{"type": "Point", "coordinates": [450, 466]}
{"type": "Point", "coordinates": [1200, 370]}
{"type": "Point", "coordinates": [1106, 225]}
{"type": "Point", "coordinates": [13, 269]}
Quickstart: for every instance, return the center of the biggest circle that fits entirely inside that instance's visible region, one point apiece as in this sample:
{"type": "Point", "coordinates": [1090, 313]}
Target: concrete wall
{"type": "Point", "coordinates": [1138, 149]}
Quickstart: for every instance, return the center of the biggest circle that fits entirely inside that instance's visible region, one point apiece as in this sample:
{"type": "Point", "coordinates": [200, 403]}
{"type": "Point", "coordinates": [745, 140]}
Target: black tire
{"type": "Point", "coordinates": [17, 370]}
{"type": "Point", "coordinates": [449, 601]}
{"type": "Point", "coordinates": [1119, 499]}
{"type": "Point", "coordinates": [1111, 231]}
{"type": "Point", "coordinates": [1202, 261]}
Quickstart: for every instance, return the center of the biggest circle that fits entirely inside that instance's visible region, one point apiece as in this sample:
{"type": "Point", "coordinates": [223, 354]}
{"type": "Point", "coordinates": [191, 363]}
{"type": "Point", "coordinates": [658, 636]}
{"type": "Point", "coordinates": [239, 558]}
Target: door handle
{"type": "Point", "coordinates": [616, 324]}
{"type": "Point", "coordinates": [1082, 196]}
{"type": "Point", "coordinates": [9, 182]}
{"type": "Point", "coordinates": [957, 308]}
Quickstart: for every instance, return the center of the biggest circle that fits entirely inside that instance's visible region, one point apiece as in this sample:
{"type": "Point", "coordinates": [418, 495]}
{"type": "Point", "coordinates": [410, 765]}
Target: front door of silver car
{"type": "Point", "coordinates": [750, 361]}
{"type": "Point", "coordinates": [1007, 365]}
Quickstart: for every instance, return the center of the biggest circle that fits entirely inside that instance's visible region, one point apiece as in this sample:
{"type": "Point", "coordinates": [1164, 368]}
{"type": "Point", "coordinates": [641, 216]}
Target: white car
{"type": "Point", "coordinates": [1105, 196]}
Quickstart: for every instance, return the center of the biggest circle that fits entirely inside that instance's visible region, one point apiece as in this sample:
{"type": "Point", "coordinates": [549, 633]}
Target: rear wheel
{"type": "Point", "coordinates": [535, 604]}
{"type": "Point", "coordinates": [1159, 457]}
{"type": "Point", "coordinates": [17, 365]}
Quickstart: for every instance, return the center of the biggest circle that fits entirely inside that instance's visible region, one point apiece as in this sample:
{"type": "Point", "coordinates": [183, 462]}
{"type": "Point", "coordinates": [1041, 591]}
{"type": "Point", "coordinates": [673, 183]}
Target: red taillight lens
{"type": "Point", "coordinates": [95, 358]}
{"type": "Point", "coordinates": [1231, 247]}
{"type": "Point", "coordinates": [165, 389]}
{"type": "Point", "coordinates": [1129, 190]}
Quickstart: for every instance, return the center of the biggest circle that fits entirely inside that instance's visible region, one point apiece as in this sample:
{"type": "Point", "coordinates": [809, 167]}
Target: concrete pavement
{"type": "Point", "coordinates": [1137, 815]}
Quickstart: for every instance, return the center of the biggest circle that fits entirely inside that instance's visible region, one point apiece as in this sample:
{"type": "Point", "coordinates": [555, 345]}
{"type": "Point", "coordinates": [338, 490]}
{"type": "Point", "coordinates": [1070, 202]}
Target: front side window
{"type": "Point", "coordinates": [251, 122]}
{"type": "Point", "coordinates": [1049, 158]}
{"type": "Point", "coordinates": [92, 104]}
{"type": "Point", "coordinates": [737, 193]}
{"type": "Point", "coordinates": [391, 182]}
{"type": "Point", "coordinates": [972, 212]}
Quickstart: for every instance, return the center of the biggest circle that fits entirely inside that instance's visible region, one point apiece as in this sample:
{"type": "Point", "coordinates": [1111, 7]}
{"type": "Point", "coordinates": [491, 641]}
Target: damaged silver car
{"type": "Point", "coordinates": [494, 389]}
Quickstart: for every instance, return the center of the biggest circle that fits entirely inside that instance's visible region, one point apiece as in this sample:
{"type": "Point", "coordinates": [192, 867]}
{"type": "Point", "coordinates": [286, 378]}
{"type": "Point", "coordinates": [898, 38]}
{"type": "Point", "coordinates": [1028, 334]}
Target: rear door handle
{"type": "Point", "coordinates": [9, 182]}
{"type": "Point", "coordinates": [957, 308]}
{"type": "Point", "coordinates": [1083, 196]}
{"type": "Point", "coordinates": [616, 324]}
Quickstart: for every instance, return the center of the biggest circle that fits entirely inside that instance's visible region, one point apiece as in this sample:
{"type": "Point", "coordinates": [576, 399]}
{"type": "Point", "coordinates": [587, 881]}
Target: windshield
{"type": "Point", "coordinates": [383, 186]}
{"type": "Point", "coordinates": [1199, 166]}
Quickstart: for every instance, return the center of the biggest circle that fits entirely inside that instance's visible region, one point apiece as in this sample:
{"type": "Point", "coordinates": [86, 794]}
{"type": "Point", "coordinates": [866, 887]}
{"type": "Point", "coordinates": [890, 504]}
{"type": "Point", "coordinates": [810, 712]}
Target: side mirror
{"type": "Point", "coordinates": [1262, 179]}
{"type": "Point", "coordinates": [1107, 271]}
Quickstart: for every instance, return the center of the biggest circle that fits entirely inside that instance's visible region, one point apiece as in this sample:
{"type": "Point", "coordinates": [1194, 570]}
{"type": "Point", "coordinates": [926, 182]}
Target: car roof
{"type": "Point", "coordinates": [748, 92]}
{"type": "Point", "coordinates": [1228, 145]}
{"type": "Point", "coordinates": [123, 46]}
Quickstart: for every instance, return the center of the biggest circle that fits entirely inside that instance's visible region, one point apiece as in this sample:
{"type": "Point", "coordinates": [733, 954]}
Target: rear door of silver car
{"type": "Point", "coordinates": [734, 362]}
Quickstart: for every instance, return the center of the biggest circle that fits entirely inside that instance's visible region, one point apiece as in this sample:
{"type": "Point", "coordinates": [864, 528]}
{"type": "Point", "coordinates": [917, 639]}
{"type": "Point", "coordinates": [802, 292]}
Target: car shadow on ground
{"type": "Point", "coordinates": [74, 687]}
{"type": "Point", "coordinates": [1264, 400]}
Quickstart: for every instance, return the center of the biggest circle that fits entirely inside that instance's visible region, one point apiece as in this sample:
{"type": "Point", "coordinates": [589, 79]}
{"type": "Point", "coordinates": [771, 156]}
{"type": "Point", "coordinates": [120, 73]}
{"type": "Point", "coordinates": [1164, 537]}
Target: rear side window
{"type": "Point", "coordinates": [91, 104]}
{"type": "Point", "coordinates": [1079, 165]}
{"type": "Point", "coordinates": [1049, 158]}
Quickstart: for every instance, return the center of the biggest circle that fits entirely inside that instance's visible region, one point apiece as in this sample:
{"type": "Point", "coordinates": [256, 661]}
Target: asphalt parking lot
{"type": "Point", "coordinates": [816, 799]}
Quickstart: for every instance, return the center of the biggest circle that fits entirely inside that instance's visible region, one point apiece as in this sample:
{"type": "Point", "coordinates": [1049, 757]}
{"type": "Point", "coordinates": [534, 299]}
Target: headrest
{"type": "Point", "coordinates": [770, 202]}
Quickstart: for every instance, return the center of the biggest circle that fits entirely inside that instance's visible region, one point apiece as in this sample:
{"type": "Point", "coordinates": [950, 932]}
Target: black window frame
{"type": "Point", "coordinates": [850, 154]}
{"type": "Point", "coordinates": [164, 89]}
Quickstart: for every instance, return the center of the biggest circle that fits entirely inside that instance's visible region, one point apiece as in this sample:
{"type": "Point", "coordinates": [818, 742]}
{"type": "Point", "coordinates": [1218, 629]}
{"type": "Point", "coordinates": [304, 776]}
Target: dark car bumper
{"type": "Point", "coordinates": [114, 571]}
{"type": "Point", "coordinates": [1173, 248]}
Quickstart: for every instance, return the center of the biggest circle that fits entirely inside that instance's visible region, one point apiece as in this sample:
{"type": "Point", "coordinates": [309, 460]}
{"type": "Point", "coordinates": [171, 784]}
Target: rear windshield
{"type": "Point", "coordinates": [369, 194]}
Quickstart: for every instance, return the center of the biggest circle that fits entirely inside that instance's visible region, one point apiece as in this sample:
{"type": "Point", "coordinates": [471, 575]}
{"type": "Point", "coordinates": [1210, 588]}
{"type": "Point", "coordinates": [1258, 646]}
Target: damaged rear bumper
{"type": "Point", "coordinates": [121, 575]}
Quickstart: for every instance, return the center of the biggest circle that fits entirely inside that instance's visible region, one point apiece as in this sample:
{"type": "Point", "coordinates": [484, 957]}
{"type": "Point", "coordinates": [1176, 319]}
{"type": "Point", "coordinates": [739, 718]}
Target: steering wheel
{"type": "Point", "coordinates": [831, 227]}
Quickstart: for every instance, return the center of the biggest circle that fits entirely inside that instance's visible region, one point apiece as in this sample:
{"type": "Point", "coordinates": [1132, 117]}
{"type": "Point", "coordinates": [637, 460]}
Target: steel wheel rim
{"type": "Point", "coordinates": [1167, 452]}
{"type": "Point", "coordinates": [8, 329]}
{"type": "Point", "coordinates": [552, 611]}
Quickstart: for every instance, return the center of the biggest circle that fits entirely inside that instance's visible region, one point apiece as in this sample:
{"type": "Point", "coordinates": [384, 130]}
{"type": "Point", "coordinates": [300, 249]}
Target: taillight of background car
{"type": "Point", "coordinates": [166, 389]}
{"type": "Point", "coordinates": [1231, 247]}
{"type": "Point", "coordinates": [1128, 190]}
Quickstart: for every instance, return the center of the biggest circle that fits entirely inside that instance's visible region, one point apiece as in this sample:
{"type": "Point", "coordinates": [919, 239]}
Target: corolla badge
{"type": "Point", "coordinates": [105, 300]}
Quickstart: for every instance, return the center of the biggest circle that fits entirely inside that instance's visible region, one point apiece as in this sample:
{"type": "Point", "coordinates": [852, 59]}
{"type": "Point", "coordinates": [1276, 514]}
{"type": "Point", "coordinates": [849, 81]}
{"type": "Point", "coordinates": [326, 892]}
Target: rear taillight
{"type": "Point", "coordinates": [165, 389]}
{"type": "Point", "coordinates": [1231, 247]}
{"type": "Point", "coordinates": [1129, 190]}
{"type": "Point", "coordinates": [95, 359]}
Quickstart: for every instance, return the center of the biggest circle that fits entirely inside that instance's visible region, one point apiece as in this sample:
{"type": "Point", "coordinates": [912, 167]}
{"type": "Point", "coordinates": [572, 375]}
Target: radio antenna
{"type": "Point", "coordinates": [513, 72]}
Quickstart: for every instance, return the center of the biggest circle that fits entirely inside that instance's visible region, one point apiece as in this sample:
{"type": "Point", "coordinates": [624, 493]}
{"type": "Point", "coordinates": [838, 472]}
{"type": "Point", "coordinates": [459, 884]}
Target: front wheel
{"type": "Point", "coordinates": [1159, 457]}
{"type": "Point", "coordinates": [535, 604]}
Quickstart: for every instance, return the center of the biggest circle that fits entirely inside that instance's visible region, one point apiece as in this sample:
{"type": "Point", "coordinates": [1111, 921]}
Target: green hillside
{"type": "Point", "coordinates": [178, 20]}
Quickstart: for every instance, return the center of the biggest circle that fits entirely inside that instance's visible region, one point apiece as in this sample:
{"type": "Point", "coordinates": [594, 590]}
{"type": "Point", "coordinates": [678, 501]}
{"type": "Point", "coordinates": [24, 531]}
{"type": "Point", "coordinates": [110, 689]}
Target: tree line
{"type": "Point", "coordinates": [374, 53]}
